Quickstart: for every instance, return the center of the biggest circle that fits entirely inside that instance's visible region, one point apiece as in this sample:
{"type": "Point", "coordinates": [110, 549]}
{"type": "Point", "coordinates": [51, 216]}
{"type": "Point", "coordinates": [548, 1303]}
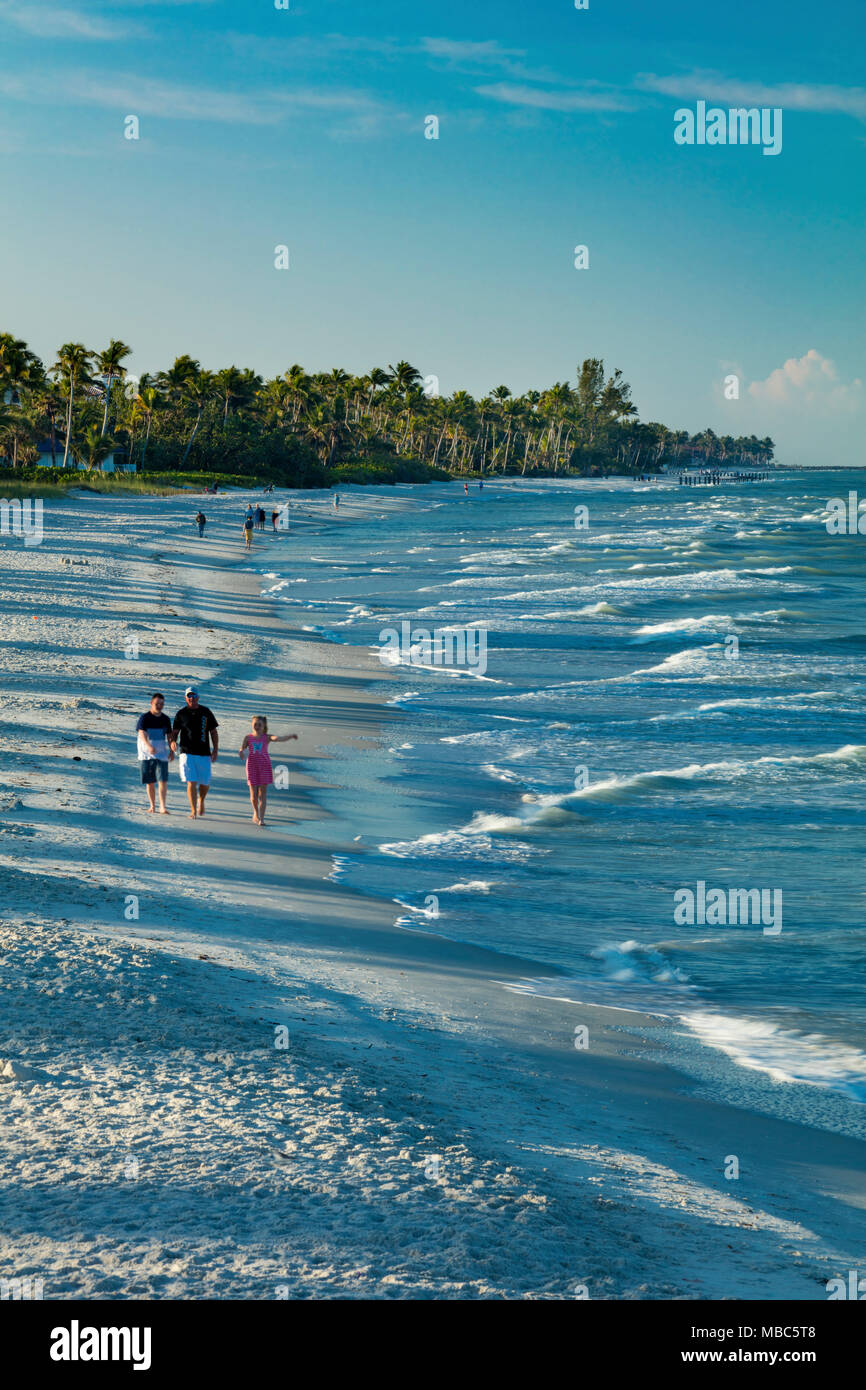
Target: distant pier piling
{"type": "Point", "coordinates": [712, 477]}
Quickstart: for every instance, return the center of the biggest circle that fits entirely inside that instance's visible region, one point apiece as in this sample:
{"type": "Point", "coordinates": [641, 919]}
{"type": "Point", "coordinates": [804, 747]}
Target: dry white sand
{"type": "Point", "coordinates": [429, 1130]}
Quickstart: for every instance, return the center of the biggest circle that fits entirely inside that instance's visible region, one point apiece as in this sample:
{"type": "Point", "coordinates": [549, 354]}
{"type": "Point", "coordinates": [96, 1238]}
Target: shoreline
{"type": "Point", "coordinates": [587, 1153]}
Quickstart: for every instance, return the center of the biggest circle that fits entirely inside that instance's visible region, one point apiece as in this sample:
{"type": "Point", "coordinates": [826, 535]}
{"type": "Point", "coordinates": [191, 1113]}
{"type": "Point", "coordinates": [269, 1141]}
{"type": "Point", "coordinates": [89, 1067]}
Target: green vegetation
{"type": "Point", "coordinates": [316, 430]}
{"type": "Point", "coordinates": [48, 482]}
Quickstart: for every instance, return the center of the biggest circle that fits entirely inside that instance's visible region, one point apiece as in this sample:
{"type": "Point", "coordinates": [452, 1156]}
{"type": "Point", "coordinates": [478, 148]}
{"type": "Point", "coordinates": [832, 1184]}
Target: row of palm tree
{"type": "Point", "coordinates": [217, 418]}
{"type": "Point", "coordinates": [34, 401]}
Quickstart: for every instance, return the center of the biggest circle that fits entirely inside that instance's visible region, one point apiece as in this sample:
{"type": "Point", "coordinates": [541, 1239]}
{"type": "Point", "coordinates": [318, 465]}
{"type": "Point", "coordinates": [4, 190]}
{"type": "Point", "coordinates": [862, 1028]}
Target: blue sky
{"type": "Point", "coordinates": [305, 127]}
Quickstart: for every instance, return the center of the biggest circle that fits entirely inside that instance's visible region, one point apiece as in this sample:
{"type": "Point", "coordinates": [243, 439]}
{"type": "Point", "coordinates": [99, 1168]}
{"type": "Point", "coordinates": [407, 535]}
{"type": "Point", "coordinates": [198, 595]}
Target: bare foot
{"type": "Point", "coordinates": [149, 810]}
{"type": "Point", "coordinates": [192, 815]}
{"type": "Point", "coordinates": [163, 811]}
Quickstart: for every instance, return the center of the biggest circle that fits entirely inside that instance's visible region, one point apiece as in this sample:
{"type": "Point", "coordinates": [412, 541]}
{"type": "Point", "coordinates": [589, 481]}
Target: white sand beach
{"type": "Point", "coordinates": [430, 1129]}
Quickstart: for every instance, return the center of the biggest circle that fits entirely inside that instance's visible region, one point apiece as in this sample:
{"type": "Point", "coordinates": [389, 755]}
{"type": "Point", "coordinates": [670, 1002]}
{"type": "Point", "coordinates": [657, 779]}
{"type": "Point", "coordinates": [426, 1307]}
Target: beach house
{"type": "Point", "coordinates": [113, 463]}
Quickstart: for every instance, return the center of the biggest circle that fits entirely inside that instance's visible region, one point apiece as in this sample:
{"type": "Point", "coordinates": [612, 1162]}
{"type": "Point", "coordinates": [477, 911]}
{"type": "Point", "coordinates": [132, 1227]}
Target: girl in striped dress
{"type": "Point", "coordinates": [260, 774]}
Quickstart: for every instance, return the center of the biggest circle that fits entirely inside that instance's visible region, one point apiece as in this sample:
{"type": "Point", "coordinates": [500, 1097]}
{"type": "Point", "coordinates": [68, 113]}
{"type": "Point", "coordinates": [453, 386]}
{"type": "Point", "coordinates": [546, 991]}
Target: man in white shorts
{"type": "Point", "coordinates": [195, 734]}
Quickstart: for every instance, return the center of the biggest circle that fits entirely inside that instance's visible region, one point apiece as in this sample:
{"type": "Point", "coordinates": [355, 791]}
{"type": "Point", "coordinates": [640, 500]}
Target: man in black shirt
{"type": "Point", "coordinates": [195, 734]}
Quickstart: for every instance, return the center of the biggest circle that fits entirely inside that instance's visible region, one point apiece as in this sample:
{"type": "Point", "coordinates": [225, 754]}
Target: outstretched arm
{"type": "Point", "coordinates": [281, 738]}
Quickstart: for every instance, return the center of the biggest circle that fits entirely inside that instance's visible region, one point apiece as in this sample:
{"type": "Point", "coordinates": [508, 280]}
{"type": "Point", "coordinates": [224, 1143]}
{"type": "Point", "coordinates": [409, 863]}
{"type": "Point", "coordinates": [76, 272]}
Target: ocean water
{"type": "Point", "coordinates": [673, 695]}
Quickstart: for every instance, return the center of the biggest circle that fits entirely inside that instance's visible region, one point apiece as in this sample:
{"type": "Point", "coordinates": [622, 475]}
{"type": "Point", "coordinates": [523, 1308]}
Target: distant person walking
{"type": "Point", "coordinates": [195, 734]}
{"type": "Point", "coordinates": [248, 532]}
{"type": "Point", "coordinates": [201, 522]}
{"type": "Point", "coordinates": [275, 516]}
{"type": "Point", "coordinates": [336, 500]}
{"type": "Point", "coordinates": [260, 774]}
{"type": "Point", "coordinates": [154, 753]}
{"type": "Point", "coordinates": [260, 518]}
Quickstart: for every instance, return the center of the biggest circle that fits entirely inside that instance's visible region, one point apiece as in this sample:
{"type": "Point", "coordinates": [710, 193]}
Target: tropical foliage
{"type": "Point", "coordinates": [313, 428]}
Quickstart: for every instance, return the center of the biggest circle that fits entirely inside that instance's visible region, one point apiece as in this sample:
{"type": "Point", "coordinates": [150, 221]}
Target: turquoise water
{"type": "Point", "coordinates": [739, 764]}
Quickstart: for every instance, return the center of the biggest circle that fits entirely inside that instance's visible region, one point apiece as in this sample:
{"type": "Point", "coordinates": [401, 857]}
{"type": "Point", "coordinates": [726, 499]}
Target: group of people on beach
{"type": "Point", "coordinates": [257, 518]}
{"type": "Point", "coordinates": [192, 737]}
{"type": "Point", "coordinates": [254, 518]}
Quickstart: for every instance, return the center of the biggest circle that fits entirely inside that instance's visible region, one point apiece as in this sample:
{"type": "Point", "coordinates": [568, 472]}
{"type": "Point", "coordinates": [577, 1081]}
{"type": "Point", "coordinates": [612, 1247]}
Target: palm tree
{"type": "Point", "coordinates": [273, 397]}
{"type": "Point", "coordinates": [17, 430]}
{"type": "Point", "coordinates": [20, 370]}
{"type": "Point", "coordinates": [229, 384]}
{"type": "Point", "coordinates": [447, 412]}
{"type": "Point", "coordinates": [337, 383]}
{"type": "Point", "coordinates": [196, 391]}
{"type": "Point", "coordinates": [415, 401]}
{"type": "Point", "coordinates": [110, 365]}
{"type": "Point", "coordinates": [513, 413]}
{"type": "Point", "coordinates": [93, 448]}
{"type": "Point", "coordinates": [18, 365]}
{"type": "Point", "coordinates": [403, 376]}
{"type": "Point", "coordinates": [590, 384]}
{"type": "Point", "coordinates": [300, 389]}
{"type": "Point", "coordinates": [72, 367]}
{"type": "Point", "coordinates": [532, 431]}
{"type": "Point", "coordinates": [248, 388]}
{"type": "Point", "coordinates": [322, 429]}
{"type": "Point", "coordinates": [366, 438]}
{"type": "Point", "coordinates": [147, 401]}
{"type": "Point", "coordinates": [464, 420]}
{"type": "Point", "coordinates": [377, 377]}
{"type": "Point", "coordinates": [615, 400]}
{"type": "Point", "coordinates": [174, 380]}
{"type": "Point", "coordinates": [46, 404]}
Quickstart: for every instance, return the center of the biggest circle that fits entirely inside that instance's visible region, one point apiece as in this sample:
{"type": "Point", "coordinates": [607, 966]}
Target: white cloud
{"type": "Point", "coordinates": [147, 96]}
{"type": "Point", "coordinates": [143, 96]}
{"type": "Point", "coordinates": [791, 96]}
{"type": "Point", "coordinates": [488, 57]}
{"type": "Point", "coordinates": [58, 22]}
{"type": "Point", "coordinates": [811, 381]}
{"type": "Point", "coordinates": [587, 99]}
{"type": "Point", "coordinates": [488, 52]}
